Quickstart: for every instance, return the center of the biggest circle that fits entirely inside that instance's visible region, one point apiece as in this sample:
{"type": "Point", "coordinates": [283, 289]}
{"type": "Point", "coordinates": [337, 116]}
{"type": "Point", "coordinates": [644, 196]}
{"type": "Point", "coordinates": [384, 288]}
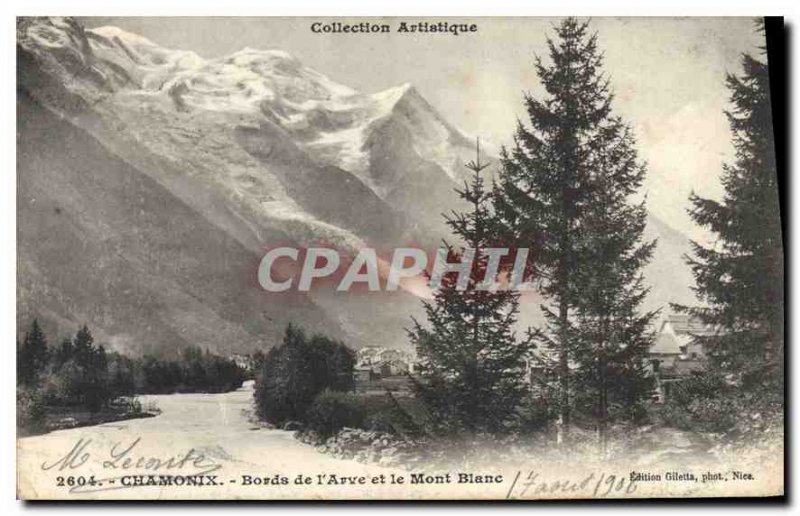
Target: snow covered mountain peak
{"type": "Point", "coordinates": [238, 82]}
{"type": "Point", "coordinates": [332, 120]}
{"type": "Point", "coordinates": [124, 37]}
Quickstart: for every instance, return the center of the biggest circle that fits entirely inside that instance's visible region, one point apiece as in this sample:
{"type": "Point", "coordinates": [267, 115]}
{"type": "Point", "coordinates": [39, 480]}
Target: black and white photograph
{"type": "Point", "coordinates": [399, 258]}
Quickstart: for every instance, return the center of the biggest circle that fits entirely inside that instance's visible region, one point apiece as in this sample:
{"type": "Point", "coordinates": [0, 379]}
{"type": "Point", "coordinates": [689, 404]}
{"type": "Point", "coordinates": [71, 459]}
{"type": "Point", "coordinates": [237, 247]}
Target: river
{"type": "Point", "coordinates": [217, 433]}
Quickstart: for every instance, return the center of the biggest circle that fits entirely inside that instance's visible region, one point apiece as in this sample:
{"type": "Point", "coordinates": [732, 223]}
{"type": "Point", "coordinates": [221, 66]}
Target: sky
{"type": "Point", "coordinates": [667, 75]}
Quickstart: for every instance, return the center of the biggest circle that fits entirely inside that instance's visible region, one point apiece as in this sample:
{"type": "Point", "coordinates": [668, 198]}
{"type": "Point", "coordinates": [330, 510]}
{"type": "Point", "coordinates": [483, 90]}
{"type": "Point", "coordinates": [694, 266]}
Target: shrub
{"type": "Point", "coordinates": [702, 403]}
{"type": "Point", "coordinates": [62, 385]}
{"type": "Point", "coordinates": [533, 415]}
{"type": "Point", "coordinates": [384, 421]}
{"type": "Point", "coordinates": [331, 411]}
{"type": "Point", "coordinates": [30, 411]}
{"type": "Point", "coordinates": [391, 414]}
{"type": "Point", "coordinates": [128, 405]}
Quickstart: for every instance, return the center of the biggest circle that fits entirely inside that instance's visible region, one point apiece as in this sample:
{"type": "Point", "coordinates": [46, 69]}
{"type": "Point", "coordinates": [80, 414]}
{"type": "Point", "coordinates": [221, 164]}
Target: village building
{"type": "Point", "coordinates": [244, 362]}
{"type": "Point", "coordinates": [676, 354]}
{"type": "Point", "coordinates": [683, 328]}
{"type": "Point", "coordinates": [363, 374]}
{"type": "Point", "coordinates": [399, 361]}
{"type": "Point", "coordinates": [393, 367]}
{"type": "Point", "coordinates": [378, 369]}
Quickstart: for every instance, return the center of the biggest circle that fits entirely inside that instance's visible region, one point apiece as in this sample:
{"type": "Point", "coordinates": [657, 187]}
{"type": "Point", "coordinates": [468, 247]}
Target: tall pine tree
{"type": "Point", "coordinates": [739, 276]}
{"type": "Point", "coordinates": [92, 363]}
{"type": "Point", "coordinates": [564, 190]}
{"type": "Point", "coordinates": [612, 340]}
{"type": "Point", "coordinates": [472, 366]}
{"type": "Point", "coordinates": [32, 355]}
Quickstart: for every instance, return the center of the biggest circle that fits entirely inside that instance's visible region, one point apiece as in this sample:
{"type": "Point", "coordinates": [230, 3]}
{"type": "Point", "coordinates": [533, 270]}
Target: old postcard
{"type": "Point", "coordinates": [398, 259]}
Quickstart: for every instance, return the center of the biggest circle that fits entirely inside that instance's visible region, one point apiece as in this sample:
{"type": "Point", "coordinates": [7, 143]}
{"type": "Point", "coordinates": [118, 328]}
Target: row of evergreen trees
{"type": "Point", "coordinates": [79, 373]}
{"type": "Point", "coordinates": [566, 190]}
{"type": "Point", "coordinates": [194, 370]}
{"type": "Point", "coordinates": [72, 373]}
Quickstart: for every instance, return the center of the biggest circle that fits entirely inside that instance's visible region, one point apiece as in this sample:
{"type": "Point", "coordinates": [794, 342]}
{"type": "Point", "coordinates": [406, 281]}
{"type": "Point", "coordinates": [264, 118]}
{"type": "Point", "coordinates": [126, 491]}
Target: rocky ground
{"type": "Point", "coordinates": [645, 447]}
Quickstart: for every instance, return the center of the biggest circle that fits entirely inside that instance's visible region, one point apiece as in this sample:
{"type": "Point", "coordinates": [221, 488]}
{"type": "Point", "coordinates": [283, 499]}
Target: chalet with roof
{"type": "Point", "coordinates": [684, 328]}
{"type": "Point", "coordinates": [676, 354]}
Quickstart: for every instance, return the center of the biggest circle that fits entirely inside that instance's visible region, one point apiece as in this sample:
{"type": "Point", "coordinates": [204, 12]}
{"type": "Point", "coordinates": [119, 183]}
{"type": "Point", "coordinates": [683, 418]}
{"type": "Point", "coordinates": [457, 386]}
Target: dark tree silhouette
{"type": "Point", "coordinates": [739, 276]}
{"type": "Point", "coordinates": [296, 371]}
{"type": "Point", "coordinates": [32, 356]}
{"type": "Point", "coordinates": [472, 366]}
{"type": "Point", "coordinates": [563, 190]}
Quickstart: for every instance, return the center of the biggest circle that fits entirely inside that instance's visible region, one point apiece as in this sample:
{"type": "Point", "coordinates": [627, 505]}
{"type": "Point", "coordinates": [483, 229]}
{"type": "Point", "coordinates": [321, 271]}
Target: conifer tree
{"type": "Point", "coordinates": [612, 338]}
{"type": "Point", "coordinates": [33, 355]}
{"type": "Point", "coordinates": [93, 365]}
{"type": "Point", "coordinates": [472, 365]}
{"type": "Point", "coordinates": [83, 346]}
{"type": "Point", "coordinates": [63, 352]}
{"type": "Point", "coordinates": [563, 190]}
{"type": "Point", "coordinates": [739, 276]}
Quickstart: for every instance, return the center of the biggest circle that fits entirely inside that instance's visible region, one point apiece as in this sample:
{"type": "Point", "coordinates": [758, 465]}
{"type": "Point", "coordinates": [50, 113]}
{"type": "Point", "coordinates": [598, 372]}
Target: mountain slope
{"type": "Point", "coordinates": [101, 243]}
{"type": "Point", "coordinates": [255, 149]}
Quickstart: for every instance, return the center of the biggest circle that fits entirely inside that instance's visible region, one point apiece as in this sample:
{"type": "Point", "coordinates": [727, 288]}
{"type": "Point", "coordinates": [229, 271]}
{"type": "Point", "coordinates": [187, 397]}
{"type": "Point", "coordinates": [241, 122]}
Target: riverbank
{"type": "Point", "coordinates": [65, 418]}
{"type": "Point", "coordinates": [78, 419]}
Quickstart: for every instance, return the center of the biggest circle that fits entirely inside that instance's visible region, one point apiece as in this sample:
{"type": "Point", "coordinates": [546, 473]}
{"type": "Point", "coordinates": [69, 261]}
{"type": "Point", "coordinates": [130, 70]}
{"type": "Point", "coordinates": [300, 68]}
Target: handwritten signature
{"type": "Point", "coordinates": [123, 457]}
